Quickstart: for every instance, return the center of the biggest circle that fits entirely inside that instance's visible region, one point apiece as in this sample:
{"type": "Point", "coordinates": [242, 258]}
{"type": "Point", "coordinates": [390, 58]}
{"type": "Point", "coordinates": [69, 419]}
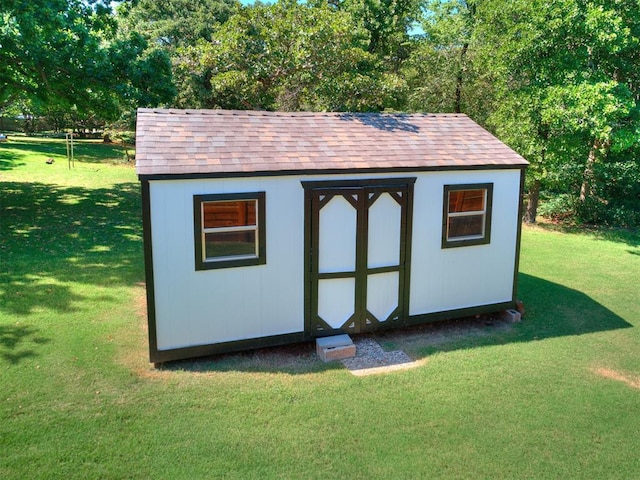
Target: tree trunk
{"type": "Point", "coordinates": [457, 108]}
{"type": "Point", "coordinates": [532, 205]}
{"type": "Point", "coordinates": [588, 175]}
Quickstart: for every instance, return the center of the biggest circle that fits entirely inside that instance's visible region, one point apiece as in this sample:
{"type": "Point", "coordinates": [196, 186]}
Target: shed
{"type": "Point", "coordinates": [267, 228]}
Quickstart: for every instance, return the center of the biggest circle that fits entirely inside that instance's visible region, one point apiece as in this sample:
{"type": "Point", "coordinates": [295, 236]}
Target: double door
{"type": "Point", "coordinates": [358, 248]}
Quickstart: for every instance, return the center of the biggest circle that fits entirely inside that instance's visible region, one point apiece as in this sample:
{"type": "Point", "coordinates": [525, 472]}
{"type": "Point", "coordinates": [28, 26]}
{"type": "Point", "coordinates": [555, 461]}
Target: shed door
{"type": "Point", "coordinates": [357, 256]}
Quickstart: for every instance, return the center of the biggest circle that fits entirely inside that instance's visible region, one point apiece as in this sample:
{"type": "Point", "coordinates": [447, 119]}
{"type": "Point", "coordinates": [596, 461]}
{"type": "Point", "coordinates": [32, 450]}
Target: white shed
{"type": "Point", "coordinates": [266, 228]}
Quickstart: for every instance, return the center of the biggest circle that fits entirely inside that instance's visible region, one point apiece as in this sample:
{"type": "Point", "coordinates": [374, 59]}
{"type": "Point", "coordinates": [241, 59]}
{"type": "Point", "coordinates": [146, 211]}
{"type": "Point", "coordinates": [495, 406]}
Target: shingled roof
{"type": "Point", "coordinates": [224, 142]}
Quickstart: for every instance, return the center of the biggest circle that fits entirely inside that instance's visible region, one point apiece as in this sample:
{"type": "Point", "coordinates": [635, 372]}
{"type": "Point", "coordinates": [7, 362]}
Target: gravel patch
{"type": "Point", "coordinates": [371, 359]}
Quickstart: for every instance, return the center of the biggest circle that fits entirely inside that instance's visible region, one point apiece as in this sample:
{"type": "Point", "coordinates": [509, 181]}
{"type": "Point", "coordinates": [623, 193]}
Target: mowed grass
{"type": "Point", "coordinates": [556, 396]}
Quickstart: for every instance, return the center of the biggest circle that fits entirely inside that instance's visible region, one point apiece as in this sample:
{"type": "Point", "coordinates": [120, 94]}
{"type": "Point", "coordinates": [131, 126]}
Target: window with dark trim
{"type": "Point", "coordinates": [467, 215]}
{"type": "Point", "coordinates": [229, 230]}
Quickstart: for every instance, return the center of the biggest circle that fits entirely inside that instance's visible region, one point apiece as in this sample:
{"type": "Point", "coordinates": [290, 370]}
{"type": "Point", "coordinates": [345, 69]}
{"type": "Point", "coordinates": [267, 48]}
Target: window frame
{"type": "Point", "coordinates": [466, 241]}
{"type": "Point", "coordinates": [201, 263]}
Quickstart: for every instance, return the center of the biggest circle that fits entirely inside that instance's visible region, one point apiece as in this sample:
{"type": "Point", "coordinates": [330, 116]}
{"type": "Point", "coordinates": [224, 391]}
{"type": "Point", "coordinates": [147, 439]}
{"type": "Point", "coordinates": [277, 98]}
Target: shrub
{"type": "Point", "coordinates": [562, 207]}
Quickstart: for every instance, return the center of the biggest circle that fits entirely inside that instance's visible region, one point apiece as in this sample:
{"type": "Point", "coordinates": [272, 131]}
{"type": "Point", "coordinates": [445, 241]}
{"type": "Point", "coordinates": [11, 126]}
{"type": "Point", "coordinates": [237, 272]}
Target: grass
{"type": "Point", "coordinates": [556, 396]}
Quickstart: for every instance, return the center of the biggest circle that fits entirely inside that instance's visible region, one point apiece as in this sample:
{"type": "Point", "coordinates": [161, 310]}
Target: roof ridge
{"type": "Point", "coordinates": [278, 113]}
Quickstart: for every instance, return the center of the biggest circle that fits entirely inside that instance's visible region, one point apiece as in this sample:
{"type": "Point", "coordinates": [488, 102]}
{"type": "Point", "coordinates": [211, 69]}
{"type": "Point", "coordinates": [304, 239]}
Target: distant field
{"type": "Point", "coordinates": [556, 396]}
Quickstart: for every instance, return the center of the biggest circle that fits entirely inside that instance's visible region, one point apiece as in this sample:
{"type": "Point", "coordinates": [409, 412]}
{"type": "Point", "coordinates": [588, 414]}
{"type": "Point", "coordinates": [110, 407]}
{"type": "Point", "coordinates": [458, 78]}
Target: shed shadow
{"type": "Point", "coordinates": [553, 310]}
{"type": "Point", "coordinates": [293, 359]}
{"type": "Point", "coordinates": [627, 236]}
{"type": "Point", "coordinates": [386, 122]}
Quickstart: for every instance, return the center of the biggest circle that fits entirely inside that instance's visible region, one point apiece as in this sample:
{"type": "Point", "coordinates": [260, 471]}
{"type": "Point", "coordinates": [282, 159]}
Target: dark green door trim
{"type": "Point", "coordinates": [361, 195]}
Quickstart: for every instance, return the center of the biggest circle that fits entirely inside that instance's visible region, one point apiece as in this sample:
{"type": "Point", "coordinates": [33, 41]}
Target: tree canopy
{"type": "Point", "coordinates": [290, 56]}
{"type": "Point", "coordinates": [558, 81]}
{"type": "Point", "coordinates": [568, 92]}
{"type": "Point", "coordinates": [66, 54]}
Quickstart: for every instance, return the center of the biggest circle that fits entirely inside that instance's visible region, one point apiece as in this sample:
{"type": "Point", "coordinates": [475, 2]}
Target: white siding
{"type": "Point", "coordinates": [384, 232]}
{"type": "Point", "coordinates": [452, 278]}
{"type": "Point", "coordinates": [382, 294]}
{"type": "Point", "coordinates": [214, 306]}
{"type": "Point", "coordinates": [336, 300]}
{"type": "Point", "coordinates": [337, 245]}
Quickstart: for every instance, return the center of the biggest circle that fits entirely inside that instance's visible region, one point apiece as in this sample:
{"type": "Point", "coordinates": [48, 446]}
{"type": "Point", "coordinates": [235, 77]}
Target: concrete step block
{"type": "Point", "coordinates": [511, 315]}
{"type": "Point", "coordinates": [333, 341]}
{"type": "Point", "coordinates": [337, 353]}
{"type": "Point", "coordinates": [335, 347]}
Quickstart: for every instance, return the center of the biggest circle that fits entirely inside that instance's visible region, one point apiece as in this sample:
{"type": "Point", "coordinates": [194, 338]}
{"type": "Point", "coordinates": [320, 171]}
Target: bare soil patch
{"type": "Point", "coordinates": [632, 381]}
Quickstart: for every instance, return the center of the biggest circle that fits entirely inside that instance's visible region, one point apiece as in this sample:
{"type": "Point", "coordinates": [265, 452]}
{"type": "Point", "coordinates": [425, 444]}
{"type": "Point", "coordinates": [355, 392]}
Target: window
{"type": "Point", "coordinates": [229, 230]}
{"type": "Point", "coordinates": [467, 215]}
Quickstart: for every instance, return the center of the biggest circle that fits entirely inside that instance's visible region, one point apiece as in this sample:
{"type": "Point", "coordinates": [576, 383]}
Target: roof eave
{"type": "Point", "coordinates": [316, 172]}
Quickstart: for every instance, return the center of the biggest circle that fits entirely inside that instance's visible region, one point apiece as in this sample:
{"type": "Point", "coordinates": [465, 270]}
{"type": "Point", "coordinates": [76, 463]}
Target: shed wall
{"type": "Point", "coordinates": [229, 304]}
{"type": "Point", "coordinates": [456, 278]}
{"type": "Point", "coordinates": [223, 305]}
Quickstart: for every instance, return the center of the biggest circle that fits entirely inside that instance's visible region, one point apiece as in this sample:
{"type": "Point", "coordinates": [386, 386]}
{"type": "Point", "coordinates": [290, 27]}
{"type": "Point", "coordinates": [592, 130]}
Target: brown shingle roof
{"type": "Point", "coordinates": [242, 142]}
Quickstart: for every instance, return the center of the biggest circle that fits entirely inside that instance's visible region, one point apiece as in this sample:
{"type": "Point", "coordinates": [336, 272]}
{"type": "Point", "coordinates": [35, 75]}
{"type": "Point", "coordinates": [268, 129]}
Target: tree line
{"type": "Point", "coordinates": [557, 81]}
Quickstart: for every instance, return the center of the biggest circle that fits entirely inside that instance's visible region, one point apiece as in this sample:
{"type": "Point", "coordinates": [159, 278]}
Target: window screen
{"type": "Point", "coordinates": [229, 230]}
{"type": "Point", "coordinates": [467, 215]}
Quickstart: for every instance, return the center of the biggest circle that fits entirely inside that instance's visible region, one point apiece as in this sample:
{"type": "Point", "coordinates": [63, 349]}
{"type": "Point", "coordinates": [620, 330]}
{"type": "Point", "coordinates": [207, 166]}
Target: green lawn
{"type": "Point", "coordinates": [556, 396]}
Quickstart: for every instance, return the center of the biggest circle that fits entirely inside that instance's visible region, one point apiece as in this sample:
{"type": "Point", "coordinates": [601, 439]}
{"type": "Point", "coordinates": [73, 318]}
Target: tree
{"type": "Point", "coordinates": [46, 43]}
{"type": "Point", "coordinates": [175, 23]}
{"type": "Point", "coordinates": [573, 65]}
{"type": "Point", "coordinates": [291, 56]}
{"type": "Point", "coordinates": [63, 55]}
{"type": "Point", "coordinates": [443, 71]}
{"type": "Point", "coordinates": [176, 27]}
{"type": "Point", "coordinates": [387, 24]}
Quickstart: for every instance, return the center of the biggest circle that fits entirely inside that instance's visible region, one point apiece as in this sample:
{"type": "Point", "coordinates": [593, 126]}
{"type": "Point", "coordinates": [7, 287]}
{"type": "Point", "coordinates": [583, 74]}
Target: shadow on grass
{"type": "Point", "coordinates": [294, 359]}
{"type": "Point", "coordinates": [51, 236]}
{"type": "Point", "coordinates": [553, 310]}
{"type": "Point", "coordinates": [18, 342]}
{"type": "Point", "coordinates": [630, 237]}
{"type": "Point", "coordinates": [8, 158]}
